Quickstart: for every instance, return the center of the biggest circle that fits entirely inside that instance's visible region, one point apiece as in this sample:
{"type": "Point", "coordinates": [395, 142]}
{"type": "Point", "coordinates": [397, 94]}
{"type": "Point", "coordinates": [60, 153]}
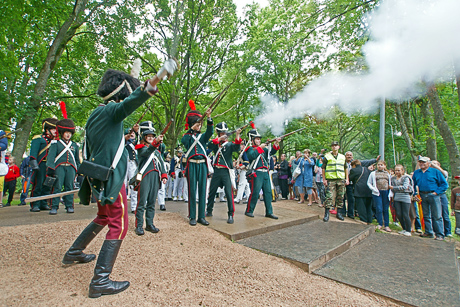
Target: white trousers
{"type": "Point", "coordinates": [131, 172]}
{"type": "Point", "coordinates": [243, 187]}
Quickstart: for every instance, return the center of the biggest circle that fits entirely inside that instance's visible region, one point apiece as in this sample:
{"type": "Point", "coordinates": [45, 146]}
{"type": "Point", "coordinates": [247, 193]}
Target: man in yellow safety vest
{"type": "Point", "coordinates": [335, 176]}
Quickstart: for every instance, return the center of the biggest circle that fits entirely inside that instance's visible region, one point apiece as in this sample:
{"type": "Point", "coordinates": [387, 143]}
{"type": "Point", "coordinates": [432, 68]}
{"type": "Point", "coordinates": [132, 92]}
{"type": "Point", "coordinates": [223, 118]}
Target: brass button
{"type": "Point", "coordinates": [92, 159]}
{"type": "Point", "coordinates": [94, 186]}
{"type": "Point", "coordinates": [111, 197]}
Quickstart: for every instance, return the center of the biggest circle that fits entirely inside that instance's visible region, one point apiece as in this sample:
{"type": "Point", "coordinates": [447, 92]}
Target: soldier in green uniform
{"type": "Point", "coordinates": [223, 166]}
{"type": "Point", "coordinates": [38, 156]}
{"type": "Point", "coordinates": [197, 168]}
{"type": "Point", "coordinates": [153, 172]}
{"type": "Point", "coordinates": [104, 137]}
{"type": "Point", "coordinates": [335, 176]}
{"type": "Point", "coordinates": [63, 162]}
{"type": "Point", "coordinates": [260, 179]}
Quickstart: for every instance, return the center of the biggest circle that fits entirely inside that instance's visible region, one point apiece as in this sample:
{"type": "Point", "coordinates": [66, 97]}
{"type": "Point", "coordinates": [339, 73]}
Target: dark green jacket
{"type": "Point", "coordinates": [143, 154]}
{"type": "Point", "coordinates": [255, 151]}
{"type": "Point", "coordinates": [37, 148]}
{"type": "Point", "coordinates": [197, 152]}
{"type": "Point", "coordinates": [104, 132]}
{"type": "Point", "coordinates": [54, 151]}
{"type": "Point", "coordinates": [226, 152]}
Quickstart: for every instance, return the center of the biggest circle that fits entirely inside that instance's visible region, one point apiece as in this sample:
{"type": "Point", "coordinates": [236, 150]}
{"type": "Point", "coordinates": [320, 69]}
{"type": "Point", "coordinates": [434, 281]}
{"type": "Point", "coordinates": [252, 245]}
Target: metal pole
{"type": "Point", "coordinates": [382, 130]}
{"type": "Point", "coordinates": [393, 141]}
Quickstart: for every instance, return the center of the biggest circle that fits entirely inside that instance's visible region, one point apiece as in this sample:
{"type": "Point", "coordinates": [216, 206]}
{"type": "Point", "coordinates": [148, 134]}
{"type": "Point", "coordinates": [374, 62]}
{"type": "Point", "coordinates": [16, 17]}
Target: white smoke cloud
{"type": "Point", "coordinates": [411, 40]}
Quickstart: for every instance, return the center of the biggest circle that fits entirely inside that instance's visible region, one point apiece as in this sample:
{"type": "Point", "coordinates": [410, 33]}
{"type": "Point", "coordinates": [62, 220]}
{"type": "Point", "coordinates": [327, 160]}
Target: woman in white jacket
{"type": "Point", "coordinates": [379, 182]}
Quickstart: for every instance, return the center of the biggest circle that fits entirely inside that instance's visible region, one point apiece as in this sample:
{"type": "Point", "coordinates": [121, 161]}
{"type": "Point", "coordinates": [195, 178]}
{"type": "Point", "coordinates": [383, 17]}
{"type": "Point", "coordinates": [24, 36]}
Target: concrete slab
{"type": "Point", "coordinates": [20, 215]}
{"type": "Point", "coordinates": [415, 271]}
{"type": "Point", "coordinates": [244, 226]}
{"type": "Point", "coordinates": [310, 245]}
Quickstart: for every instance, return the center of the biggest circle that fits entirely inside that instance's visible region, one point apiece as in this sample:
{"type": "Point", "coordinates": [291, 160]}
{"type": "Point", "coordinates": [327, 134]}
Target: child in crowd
{"type": "Point", "coordinates": [379, 183]}
{"type": "Point", "coordinates": [10, 180]}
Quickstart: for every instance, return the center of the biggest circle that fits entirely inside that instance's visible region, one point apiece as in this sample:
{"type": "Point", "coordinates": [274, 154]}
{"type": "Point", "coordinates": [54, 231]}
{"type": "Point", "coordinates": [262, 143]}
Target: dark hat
{"type": "Point", "coordinates": [127, 131]}
{"type": "Point", "coordinates": [147, 126]}
{"type": "Point", "coordinates": [253, 133]}
{"type": "Point", "coordinates": [148, 132]}
{"type": "Point", "coordinates": [117, 85]}
{"type": "Point", "coordinates": [65, 125]}
{"type": "Point", "coordinates": [221, 127]}
{"type": "Point", "coordinates": [335, 143]}
{"type": "Point", "coordinates": [49, 123]}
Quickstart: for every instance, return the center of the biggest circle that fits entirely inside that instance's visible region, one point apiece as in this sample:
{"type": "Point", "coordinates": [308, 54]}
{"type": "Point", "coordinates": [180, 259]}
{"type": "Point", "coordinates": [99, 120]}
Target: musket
{"type": "Point", "coordinates": [285, 135]}
{"type": "Point", "coordinates": [216, 101]}
{"type": "Point", "coordinates": [163, 132]}
{"type": "Point", "coordinates": [139, 120]}
{"type": "Point", "coordinates": [10, 133]}
{"type": "Point", "coordinates": [242, 128]}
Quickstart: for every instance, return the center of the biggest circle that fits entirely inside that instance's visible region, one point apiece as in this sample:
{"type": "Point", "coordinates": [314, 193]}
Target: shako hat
{"type": "Point", "coordinates": [192, 116]}
{"type": "Point", "coordinates": [117, 85]}
{"type": "Point", "coordinates": [49, 123]}
{"type": "Point", "coordinates": [146, 128]}
{"type": "Point", "coordinates": [65, 125]}
{"type": "Point", "coordinates": [253, 133]}
{"type": "Point", "coordinates": [221, 127]}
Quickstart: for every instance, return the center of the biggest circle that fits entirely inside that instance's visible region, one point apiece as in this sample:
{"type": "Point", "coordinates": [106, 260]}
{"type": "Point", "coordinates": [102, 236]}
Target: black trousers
{"type": "Point", "coordinates": [9, 187]}
{"type": "Point", "coordinates": [284, 187]}
{"type": "Point", "coordinates": [402, 211]}
{"type": "Point", "coordinates": [364, 207]}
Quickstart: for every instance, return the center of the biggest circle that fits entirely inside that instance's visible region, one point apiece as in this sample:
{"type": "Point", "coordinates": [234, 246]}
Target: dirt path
{"type": "Point", "coordinates": [179, 266]}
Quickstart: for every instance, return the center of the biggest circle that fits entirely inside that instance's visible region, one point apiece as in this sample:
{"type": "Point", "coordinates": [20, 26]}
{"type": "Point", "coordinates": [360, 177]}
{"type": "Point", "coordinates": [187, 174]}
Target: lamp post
{"type": "Point", "coordinates": [382, 140]}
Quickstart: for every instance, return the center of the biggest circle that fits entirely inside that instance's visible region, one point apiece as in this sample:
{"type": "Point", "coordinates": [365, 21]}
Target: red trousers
{"type": "Point", "coordinates": [115, 216]}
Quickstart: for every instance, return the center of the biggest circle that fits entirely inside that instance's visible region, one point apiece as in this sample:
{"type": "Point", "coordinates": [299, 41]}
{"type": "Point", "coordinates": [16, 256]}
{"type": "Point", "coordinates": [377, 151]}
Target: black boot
{"type": "Point", "coordinates": [101, 284]}
{"type": "Point", "coordinates": [230, 219]}
{"type": "Point", "coordinates": [75, 252]}
{"type": "Point", "coordinates": [339, 215]}
{"type": "Point", "coordinates": [326, 215]}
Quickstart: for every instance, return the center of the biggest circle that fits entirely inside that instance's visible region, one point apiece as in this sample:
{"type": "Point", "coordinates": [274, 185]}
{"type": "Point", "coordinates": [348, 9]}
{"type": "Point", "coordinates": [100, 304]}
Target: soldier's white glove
{"type": "Point", "coordinates": [170, 66]}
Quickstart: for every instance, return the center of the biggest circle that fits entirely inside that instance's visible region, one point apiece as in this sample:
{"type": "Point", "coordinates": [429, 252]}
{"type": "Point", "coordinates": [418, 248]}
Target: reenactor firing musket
{"type": "Point", "coordinates": [10, 133]}
{"type": "Point", "coordinates": [287, 134]}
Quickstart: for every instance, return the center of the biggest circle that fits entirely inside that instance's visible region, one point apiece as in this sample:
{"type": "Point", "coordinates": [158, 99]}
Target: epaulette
{"type": "Point", "coordinates": [36, 136]}
{"type": "Point", "coordinates": [139, 146]}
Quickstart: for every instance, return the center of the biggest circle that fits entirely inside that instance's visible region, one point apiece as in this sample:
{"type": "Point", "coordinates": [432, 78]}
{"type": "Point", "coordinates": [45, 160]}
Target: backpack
{"type": "Point", "coordinates": [410, 189]}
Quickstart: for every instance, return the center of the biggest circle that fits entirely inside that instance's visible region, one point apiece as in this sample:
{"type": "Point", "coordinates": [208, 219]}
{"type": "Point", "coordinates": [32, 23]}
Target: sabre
{"type": "Point", "coordinates": [32, 199]}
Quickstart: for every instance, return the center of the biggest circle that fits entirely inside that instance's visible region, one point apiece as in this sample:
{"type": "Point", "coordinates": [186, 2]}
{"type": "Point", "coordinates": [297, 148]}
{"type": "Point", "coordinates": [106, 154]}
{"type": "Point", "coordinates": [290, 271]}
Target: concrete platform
{"type": "Point", "coordinates": [244, 226]}
{"type": "Point", "coordinates": [414, 271]}
{"type": "Point", "coordinates": [310, 245]}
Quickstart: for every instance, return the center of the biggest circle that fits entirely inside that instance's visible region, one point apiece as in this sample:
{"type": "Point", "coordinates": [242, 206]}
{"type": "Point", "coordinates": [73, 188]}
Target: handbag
{"type": "Point", "coordinates": [3, 166]}
{"type": "Point", "coordinates": [97, 171]}
{"type": "Point", "coordinates": [296, 172]}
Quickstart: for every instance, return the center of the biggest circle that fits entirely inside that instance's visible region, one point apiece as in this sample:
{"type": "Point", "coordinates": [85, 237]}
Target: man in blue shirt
{"type": "Point", "coordinates": [430, 183]}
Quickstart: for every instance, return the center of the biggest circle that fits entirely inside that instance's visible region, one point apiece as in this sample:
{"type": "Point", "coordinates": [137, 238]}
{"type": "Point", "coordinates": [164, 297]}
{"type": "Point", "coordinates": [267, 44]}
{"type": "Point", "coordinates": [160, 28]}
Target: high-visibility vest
{"type": "Point", "coordinates": [335, 167]}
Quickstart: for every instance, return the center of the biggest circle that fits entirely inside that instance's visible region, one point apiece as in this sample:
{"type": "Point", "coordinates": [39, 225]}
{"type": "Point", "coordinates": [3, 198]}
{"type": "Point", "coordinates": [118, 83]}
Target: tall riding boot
{"type": "Point", "coordinates": [101, 284]}
{"type": "Point", "coordinates": [326, 215]}
{"type": "Point", "coordinates": [75, 252]}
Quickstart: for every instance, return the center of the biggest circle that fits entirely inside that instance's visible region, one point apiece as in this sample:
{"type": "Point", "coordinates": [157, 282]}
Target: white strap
{"type": "Point", "coordinates": [218, 152]}
{"type": "Point", "coordinates": [66, 148]}
{"type": "Point", "coordinates": [251, 166]}
{"type": "Point", "coordinates": [152, 156]}
{"type": "Point", "coordinates": [119, 153]}
{"type": "Point", "coordinates": [193, 146]}
{"type": "Point", "coordinates": [115, 91]}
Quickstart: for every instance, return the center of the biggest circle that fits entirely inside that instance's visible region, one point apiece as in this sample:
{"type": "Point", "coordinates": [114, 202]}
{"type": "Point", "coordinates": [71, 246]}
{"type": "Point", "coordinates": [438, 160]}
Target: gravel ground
{"type": "Point", "coordinates": [179, 266]}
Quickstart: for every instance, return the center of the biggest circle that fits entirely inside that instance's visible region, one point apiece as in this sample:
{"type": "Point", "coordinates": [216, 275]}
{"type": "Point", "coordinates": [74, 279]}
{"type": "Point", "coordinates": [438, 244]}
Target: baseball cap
{"type": "Point", "coordinates": [423, 159]}
{"type": "Point", "coordinates": [334, 143]}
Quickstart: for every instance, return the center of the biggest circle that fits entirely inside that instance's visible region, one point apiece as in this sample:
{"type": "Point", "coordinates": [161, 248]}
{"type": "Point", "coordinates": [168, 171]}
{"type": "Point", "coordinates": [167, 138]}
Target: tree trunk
{"type": "Point", "coordinates": [457, 79]}
{"type": "Point", "coordinates": [405, 133]}
{"type": "Point", "coordinates": [429, 128]}
{"type": "Point", "coordinates": [66, 32]}
{"type": "Point", "coordinates": [444, 130]}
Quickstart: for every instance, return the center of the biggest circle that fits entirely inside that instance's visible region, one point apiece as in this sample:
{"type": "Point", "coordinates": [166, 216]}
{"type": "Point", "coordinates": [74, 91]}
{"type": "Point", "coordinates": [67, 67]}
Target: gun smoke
{"type": "Point", "coordinates": [411, 41]}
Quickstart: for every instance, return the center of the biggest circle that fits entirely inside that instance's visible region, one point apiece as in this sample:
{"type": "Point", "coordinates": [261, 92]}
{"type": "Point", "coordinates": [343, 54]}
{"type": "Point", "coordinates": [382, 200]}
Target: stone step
{"type": "Point", "coordinates": [310, 245]}
{"type": "Point", "coordinates": [411, 271]}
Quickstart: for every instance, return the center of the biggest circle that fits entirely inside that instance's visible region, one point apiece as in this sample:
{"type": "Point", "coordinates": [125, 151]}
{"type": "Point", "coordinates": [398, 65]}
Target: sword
{"type": "Point", "coordinates": [32, 199]}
